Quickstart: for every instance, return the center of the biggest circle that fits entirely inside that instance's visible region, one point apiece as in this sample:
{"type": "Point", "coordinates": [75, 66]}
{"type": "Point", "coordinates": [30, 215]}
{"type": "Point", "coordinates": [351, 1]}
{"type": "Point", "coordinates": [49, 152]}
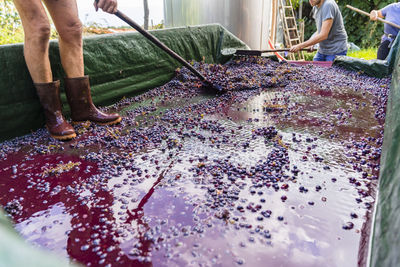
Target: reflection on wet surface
{"type": "Point", "coordinates": [200, 181]}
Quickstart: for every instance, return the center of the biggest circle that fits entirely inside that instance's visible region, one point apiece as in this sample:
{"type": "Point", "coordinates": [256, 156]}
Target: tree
{"type": "Point", "coordinates": [10, 23]}
{"type": "Point", "coordinates": [146, 14]}
{"type": "Point", "coordinates": [360, 29]}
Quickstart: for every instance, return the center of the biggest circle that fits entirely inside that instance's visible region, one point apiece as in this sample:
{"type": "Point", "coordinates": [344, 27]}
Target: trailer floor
{"type": "Point", "coordinates": [280, 176]}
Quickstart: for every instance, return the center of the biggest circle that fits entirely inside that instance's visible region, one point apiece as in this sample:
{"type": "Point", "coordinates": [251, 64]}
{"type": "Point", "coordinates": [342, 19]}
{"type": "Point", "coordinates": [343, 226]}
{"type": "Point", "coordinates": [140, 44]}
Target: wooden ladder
{"type": "Point", "coordinates": [289, 25]}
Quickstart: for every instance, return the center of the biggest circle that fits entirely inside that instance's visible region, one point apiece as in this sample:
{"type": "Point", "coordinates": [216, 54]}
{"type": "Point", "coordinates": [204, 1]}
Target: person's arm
{"type": "Point", "coordinates": [375, 14]}
{"type": "Point", "coordinates": [109, 6]}
{"type": "Point", "coordinates": [317, 38]}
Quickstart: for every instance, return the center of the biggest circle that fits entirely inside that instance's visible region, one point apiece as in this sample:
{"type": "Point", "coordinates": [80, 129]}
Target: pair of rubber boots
{"type": "Point", "coordinates": [80, 101]}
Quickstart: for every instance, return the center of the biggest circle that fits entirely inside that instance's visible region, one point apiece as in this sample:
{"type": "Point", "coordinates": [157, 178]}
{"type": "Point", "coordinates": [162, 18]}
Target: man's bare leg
{"type": "Point", "coordinates": [37, 33]}
{"type": "Point", "coordinates": [36, 50]}
{"type": "Point", "coordinates": [77, 87]}
{"type": "Point", "coordinates": [69, 28]}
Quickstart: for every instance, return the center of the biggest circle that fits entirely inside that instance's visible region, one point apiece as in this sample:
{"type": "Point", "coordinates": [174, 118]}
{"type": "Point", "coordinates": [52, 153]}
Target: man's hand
{"type": "Point", "coordinates": [373, 15]}
{"type": "Point", "coordinates": [109, 6]}
{"type": "Point", "coordinates": [316, 38]}
{"type": "Point", "coordinates": [296, 48]}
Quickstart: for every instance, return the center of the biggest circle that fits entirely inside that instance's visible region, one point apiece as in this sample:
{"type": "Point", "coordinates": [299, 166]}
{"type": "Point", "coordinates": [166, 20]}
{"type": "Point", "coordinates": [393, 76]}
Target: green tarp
{"type": "Point", "coordinates": [376, 68]}
{"type": "Point", "coordinates": [15, 252]}
{"type": "Point", "coordinates": [118, 65]}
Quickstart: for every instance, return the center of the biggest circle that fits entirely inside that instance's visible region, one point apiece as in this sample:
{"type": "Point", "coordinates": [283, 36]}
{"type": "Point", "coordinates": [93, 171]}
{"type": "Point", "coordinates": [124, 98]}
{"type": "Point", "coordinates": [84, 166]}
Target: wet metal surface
{"type": "Point", "coordinates": [282, 176]}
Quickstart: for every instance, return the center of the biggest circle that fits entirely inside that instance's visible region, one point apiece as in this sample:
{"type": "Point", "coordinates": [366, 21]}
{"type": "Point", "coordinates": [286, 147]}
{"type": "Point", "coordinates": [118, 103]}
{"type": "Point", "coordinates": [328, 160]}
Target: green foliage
{"type": "Point", "coordinates": [359, 28]}
{"type": "Point", "coordinates": [158, 26]}
{"type": "Point", "coordinates": [309, 28]}
{"type": "Point", "coordinates": [309, 56]}
{"type": "Point", "coordinates": [295, 3]}
{"type": "Point", "coordinates": [8, 14]}
{"type": "Point", "coordinates": [10, 24]}
{"type": "Point", "coordinates": [11, 30]}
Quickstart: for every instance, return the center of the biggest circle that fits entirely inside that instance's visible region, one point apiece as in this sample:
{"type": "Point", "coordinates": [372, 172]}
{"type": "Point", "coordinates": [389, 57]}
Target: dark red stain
{"type": "Point", "coordinates": [86, 221]}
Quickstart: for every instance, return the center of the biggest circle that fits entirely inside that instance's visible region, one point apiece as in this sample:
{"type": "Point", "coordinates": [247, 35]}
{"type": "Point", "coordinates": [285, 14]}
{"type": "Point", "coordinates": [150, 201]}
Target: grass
{"type": "Point", "coordinates": [369, 53]}
{"type": "Point", "coordinates": [365, 53]}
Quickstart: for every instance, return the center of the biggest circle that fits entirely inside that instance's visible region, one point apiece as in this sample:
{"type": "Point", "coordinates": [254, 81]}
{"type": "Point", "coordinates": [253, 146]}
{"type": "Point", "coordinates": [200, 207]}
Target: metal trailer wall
{"type": "Point", "coordinates": [249, 20]}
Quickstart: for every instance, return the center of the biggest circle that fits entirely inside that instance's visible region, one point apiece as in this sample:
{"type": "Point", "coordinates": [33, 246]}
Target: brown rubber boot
{"type": "Point", "coordinates": [82, 107]}
{"type": "Point", "coordinates": [49, 96]}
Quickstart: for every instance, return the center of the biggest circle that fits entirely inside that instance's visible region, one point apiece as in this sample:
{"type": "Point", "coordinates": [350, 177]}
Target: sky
{"type": "Point", "coordinates": [131, 8]}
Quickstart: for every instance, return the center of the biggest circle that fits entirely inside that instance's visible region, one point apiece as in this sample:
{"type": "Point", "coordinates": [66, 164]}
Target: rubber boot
{"type": "Point", "coordinates": [49, 96]}
{"type": "Point", "coordinates": [82, 107]}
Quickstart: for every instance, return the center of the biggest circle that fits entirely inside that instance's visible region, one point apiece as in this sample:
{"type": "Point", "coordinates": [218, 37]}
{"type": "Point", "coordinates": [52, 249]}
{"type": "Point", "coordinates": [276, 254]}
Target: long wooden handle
{"type": "Point", "coordinates": [367, 14]}
{"type": "Point", "coordinates": [158, 43]}
{"type": "Point", "coordinates": [282, 50]}
{"type": "Point", "coordinates": [260, 52]}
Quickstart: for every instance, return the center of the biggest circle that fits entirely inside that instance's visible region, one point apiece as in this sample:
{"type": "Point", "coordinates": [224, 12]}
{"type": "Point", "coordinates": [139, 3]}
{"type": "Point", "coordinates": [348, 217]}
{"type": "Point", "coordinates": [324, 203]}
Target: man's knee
{"type": "Point", "coordinates": [71, 31]}
{"type": "Point", "coordinates": [39, 33]}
